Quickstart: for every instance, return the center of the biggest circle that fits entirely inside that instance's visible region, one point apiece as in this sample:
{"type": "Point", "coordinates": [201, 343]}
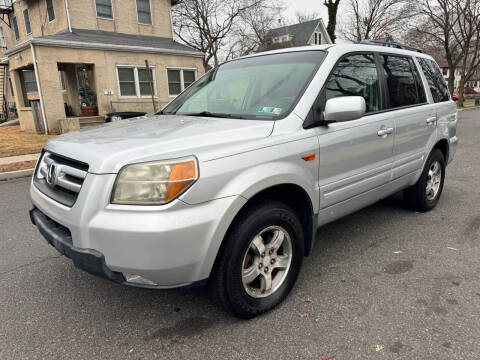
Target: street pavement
{"type": "Point", "coordinates": [383, 283]}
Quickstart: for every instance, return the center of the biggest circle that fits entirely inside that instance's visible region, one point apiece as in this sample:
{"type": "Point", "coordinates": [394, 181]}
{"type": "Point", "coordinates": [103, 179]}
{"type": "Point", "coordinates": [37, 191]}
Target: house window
{"type": "Point", "coordinates": [179, 80]}
{"type": "Point", "coordinates": [104, 9]}
{"type": "Point", "coordinates": [445, 71]}
{"type": "Point", "coordinates": [28, 28]}
{"type": "Point", "coordinates": [134, 81]}
{"type": "Point", "coordinates": [318, 38]}
{"type": "Point", "coordinates": [63, 82]}
{"type": "Point", "coordinates": [50, 10]}
{"type": "Point", "coordinates": [144, 82]}
{"type": "Point", "coordinates": [15, 28]}
{"type": "Point", "coordinates": [30, 81]}
{"type": "Point", "coordinates": [3, 44]}
{"type": "Point", "coordinates": [144, 13]}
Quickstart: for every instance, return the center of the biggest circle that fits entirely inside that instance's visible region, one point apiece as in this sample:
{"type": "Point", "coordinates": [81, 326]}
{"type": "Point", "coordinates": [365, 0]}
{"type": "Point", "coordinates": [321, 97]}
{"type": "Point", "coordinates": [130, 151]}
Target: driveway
{"type": "Point", "coordinates": [382, 283]}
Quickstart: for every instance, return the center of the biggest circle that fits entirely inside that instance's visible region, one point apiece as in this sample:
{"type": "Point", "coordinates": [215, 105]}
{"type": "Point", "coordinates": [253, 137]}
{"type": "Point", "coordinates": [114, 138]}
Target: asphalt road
{"type": "Point", "coordinates": [384, 278]}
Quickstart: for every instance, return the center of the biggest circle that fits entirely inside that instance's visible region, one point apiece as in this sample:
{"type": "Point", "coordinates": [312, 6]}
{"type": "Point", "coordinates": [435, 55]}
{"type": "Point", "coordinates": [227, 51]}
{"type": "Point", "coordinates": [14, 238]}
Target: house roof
{"type": "Point", "coordinates": [301, 33]}
{"type": "Point", "coordinates": [81, 38]}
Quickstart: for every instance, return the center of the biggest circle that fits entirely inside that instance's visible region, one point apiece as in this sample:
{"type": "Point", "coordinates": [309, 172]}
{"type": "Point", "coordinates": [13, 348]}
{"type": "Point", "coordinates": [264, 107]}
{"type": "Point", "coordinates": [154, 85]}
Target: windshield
{"type": "Point", "coordinates": [262, 87]}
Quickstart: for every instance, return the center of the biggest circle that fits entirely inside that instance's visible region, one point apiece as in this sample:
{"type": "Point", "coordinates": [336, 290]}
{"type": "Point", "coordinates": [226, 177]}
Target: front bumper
{"type": "Point", "coordinates": [60, 238]}
{"type": "Point", "coordinates": [172, 245]}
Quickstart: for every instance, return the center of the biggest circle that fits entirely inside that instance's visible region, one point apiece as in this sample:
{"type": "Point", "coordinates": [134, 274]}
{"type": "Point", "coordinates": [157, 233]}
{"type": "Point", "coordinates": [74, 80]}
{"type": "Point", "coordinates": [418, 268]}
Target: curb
{"type": "Point", "coordinates": [10, 175]}
{"type": "Point", "coordinates": [470, 108]}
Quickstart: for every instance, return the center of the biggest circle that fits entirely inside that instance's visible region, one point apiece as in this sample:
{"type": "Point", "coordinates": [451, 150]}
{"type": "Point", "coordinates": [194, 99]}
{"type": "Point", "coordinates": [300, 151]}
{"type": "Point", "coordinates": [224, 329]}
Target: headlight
{"type": "Point", "coordinates": [154, 183]}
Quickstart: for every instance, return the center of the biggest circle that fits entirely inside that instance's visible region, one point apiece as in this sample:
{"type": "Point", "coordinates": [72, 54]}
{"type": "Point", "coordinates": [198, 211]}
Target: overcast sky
{"type": "Point", "coordinates": [306, 5]}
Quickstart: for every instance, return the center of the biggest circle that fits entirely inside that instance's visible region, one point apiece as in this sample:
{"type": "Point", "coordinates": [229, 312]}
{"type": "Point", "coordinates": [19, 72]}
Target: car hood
{"type": "Point", "coordinates": [108, 147]}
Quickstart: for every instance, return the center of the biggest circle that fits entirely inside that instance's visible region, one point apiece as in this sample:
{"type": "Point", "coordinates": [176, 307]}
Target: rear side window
{"type": "Point", "coordinates": [403, 81]}
{"type": "Point", "coordinates": [435, 79]}
{"type": "Point", "coordinates": [356, 75]}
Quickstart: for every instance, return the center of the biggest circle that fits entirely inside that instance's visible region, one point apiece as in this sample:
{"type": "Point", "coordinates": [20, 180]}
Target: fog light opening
{"type": "Point", "coordinates": [137, 279]}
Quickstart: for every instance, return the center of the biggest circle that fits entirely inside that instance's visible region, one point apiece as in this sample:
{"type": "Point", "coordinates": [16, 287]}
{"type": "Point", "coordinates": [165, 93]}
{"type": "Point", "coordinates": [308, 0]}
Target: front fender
{"type": "Point", "coordinates": [249, 173]}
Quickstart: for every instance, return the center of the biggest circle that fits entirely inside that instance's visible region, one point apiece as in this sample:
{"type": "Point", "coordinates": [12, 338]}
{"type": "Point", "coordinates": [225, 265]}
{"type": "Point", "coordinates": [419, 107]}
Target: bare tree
{"type": "Point", "coordinates": [252, 27]}
{"type": "Point", "coordinates": [332, 6]}
{"type": "Point", "coordinates": [467, 35]}
{"type": "Point", "coordinates": [301, 17]}
{"type": "Point", "coordinates": [205, 25]}
{"type": "Point", "coordinates": [435, 28]}
{"type": "Point", "coordinates": [375, 19]}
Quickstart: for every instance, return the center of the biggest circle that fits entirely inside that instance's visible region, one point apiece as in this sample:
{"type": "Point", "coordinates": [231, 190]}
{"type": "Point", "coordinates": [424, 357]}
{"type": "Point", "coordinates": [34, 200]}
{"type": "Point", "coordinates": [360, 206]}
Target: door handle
{"type": "Point", "coordinates": [431, 120]}
{"type": "Point", "coordinates": [385, 132]}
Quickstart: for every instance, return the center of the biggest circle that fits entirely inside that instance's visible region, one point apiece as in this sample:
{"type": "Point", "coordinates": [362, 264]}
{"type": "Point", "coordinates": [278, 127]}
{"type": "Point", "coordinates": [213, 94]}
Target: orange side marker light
{"type": "Point", "coordinates": [308, 157]}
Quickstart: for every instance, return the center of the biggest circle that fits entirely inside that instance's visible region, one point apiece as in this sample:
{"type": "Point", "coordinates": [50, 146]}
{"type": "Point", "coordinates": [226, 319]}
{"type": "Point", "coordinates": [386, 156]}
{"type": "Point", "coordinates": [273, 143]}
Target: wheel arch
{"type": "Point", "coordinates": [444, 147]}
{"type": "Point", "coordinates": [294, 196]}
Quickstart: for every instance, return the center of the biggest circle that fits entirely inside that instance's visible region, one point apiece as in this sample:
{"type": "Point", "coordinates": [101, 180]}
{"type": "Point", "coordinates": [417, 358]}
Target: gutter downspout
{"type": "Point", "coordinates": [68, 16]}
{"type": "Point", "coordinates": [39, 87]}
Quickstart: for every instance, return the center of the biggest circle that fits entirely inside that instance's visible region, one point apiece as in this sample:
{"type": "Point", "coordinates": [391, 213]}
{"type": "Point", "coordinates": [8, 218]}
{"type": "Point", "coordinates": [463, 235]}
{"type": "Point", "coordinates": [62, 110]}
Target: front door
{"type": "Point", "coordinates": [355, 156]}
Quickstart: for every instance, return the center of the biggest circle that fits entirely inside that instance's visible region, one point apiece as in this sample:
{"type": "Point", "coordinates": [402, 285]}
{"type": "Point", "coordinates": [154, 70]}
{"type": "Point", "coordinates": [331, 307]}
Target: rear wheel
{"type": "Point", "coordinates": [425, 194]}
{"type": "Point", "coordinates": [260, 261]}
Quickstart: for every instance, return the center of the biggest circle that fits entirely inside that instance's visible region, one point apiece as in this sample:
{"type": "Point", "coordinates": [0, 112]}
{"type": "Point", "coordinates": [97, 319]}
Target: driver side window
{"type": "Point", "coordinates": [356, 75]}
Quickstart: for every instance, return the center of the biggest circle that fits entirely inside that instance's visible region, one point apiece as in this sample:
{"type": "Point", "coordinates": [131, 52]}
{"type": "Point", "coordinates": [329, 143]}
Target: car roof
{"type": "Point", "coordinates": [340, 49]}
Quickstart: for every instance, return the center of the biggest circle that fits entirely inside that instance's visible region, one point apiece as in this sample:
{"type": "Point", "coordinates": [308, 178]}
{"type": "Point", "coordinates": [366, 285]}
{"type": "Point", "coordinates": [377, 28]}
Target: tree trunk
{"type": "Point", "coordinates": [461, 88]}
{"type": "Point", "coordinates": [451, 79]}
{"type": "Point", "coordinates": [332, 6]}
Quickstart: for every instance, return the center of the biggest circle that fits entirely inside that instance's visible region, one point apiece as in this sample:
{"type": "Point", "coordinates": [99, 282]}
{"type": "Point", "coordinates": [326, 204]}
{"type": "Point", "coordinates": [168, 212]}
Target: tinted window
{"type": "Point", "coordinates": [403, 81]}
{"type": "Point", "coordinates": [435, 79]}
{"type": "Point", "coordinates": [356, 75]}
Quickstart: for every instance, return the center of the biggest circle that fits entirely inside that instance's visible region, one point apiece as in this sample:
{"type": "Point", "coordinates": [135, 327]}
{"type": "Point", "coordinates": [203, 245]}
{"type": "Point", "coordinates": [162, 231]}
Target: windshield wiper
{"type": "Point", "coordinates": [213, 115]}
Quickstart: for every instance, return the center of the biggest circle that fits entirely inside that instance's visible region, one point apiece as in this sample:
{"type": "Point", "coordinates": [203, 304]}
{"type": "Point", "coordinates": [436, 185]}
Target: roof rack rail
{"type": "Point", "coordinates": [390, 43]}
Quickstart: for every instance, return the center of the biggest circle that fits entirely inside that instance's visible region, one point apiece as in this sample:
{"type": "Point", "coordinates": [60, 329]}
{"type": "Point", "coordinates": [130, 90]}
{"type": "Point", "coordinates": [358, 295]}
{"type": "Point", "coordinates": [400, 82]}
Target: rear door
{"type": "Point", "coordinates": [415, 118]}
{"type": "Point", "coordinates": [355, 156]}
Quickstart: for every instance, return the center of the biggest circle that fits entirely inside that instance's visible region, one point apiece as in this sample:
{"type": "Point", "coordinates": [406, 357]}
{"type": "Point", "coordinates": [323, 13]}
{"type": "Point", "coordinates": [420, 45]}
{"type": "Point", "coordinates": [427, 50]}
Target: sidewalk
{"type": "Point", "coordinates": [20, 158]}
{"type": "Point", "coordinates": [14, 167]}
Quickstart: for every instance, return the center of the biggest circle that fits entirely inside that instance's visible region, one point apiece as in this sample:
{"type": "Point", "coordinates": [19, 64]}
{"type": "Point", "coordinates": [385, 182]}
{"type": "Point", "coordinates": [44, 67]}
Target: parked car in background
{"type": "Point", "coordinates": [227, 185]}
{"type": "Point", "coordinates": [117, 116]}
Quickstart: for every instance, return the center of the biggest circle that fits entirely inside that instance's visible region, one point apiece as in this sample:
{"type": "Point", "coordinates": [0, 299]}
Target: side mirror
{"type": "Point", "coordinates": [344, 108]}
{"type": "Point", "coordinates": [455, 97]}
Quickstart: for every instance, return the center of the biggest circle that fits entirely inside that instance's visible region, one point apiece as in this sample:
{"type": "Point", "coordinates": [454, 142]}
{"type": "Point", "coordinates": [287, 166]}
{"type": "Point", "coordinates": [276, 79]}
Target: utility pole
{"type": "Point", "coordinates": [152, 90]}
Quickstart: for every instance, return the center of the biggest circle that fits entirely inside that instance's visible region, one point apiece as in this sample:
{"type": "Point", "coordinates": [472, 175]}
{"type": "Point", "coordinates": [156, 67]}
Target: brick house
{"type": "Point", "coordinates": [57, 55]}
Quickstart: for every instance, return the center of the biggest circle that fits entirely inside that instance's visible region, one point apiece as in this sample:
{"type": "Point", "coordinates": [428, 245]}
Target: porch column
{"type": "Point", "coordinates": [51, 90]}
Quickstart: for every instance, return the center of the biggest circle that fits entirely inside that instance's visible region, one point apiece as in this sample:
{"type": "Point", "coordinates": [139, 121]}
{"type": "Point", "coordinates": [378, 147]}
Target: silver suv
{"type": "Point", "coordinates": [227, 186]}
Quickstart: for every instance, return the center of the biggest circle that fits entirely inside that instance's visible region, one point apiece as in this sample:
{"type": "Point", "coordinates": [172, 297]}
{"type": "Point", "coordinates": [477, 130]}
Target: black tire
{"type": "Point", "coordinates": [416, 195]}
{"type": "Point", "coordinates": [225, 285]}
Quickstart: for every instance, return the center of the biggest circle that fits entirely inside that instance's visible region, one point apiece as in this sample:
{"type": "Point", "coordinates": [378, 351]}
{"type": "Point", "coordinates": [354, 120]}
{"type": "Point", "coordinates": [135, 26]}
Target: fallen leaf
{"type": "Point", "coordinates": [398, 252]}
{"type": "Point", "coordinates": [379, 348]}
{"type": "Point", "coordinates": [452, 248]}
{"type": "Point", "coordinates": [304, 315]}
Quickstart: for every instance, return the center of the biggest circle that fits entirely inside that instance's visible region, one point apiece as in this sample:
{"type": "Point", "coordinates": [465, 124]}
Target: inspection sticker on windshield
{"type": "Point", "coordinates": [270, 110]}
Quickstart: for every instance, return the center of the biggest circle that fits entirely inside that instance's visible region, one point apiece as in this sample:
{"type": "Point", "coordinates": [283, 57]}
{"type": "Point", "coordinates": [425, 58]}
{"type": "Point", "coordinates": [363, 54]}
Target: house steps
{"type": "Point", "coordinates": [89, 121]}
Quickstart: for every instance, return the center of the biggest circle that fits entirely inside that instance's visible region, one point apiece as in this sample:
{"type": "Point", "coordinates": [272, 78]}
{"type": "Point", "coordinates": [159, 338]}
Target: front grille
{"type": "Point", "coordinates": [60, 178]}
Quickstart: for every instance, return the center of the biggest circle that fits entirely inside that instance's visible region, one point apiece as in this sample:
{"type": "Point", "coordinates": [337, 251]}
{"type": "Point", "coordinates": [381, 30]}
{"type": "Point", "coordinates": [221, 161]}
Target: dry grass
{"type": "Point", "coordinates": [18, 166]}
{"type": "Point", "coordinates": [14, 142]}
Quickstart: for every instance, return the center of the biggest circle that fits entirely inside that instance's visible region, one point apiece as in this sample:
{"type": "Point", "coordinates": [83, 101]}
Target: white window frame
{"type": "Point", "coordinates": [137, 82]}
{"type": "Point", "coordinates": [46, 9]}
{"type": "Point", "coordinates": [182, 82]}
{"type": "Point", "coordinates": [102, 17]}
{"type": "Point", "coordinates": [317, 35]}
{"type": "Point", "coordinates": [151, 14]}
{"type": "Point", "coordinates": [29, 22]}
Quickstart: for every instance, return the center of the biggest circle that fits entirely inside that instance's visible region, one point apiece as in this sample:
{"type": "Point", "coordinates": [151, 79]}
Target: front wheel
{"type": "Point", "coordinates": [260, 261]}
{"type": "Point", "coordinates": [425, 194]}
